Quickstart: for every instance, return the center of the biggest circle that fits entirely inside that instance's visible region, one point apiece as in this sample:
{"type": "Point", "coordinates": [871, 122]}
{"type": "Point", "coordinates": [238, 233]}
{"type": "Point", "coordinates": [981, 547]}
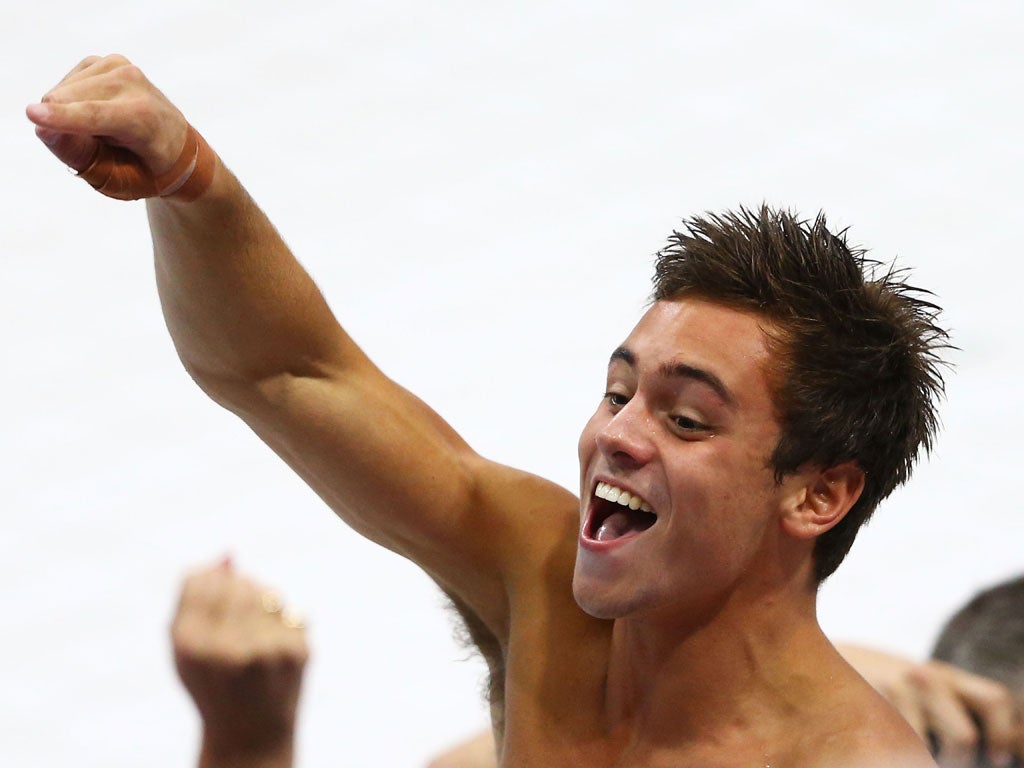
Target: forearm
{"type": "Point", "coordinates": [239, 306]}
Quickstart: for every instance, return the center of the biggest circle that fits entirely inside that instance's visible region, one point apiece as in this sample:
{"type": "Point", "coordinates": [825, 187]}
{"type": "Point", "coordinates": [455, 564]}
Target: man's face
{"type": "Point", "coordinates": [686, 429]}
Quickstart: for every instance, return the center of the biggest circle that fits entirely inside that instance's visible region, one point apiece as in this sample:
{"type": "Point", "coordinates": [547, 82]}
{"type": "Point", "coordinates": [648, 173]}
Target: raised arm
{"type": "Point", "coordinates": [254, 331]}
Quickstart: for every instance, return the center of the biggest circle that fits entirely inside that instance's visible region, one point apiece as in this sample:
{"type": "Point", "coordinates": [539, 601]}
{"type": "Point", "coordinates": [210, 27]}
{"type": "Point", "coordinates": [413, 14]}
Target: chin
{"type": "Point", "coordinates": [597, 599]}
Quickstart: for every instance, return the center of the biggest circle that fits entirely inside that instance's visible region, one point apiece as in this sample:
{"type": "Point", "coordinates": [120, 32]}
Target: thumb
{"type": "Point", "coordinates": [75, 151]}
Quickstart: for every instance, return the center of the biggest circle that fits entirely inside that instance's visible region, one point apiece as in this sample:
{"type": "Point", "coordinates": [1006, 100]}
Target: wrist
{"type": "Point", "coordinates": [246, 753]}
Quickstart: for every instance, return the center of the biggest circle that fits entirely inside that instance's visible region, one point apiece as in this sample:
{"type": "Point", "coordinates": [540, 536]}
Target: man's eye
{"type": "Point", "coordinates": [616, 399]}
{"type": "Point", "coordinates": [687, 424]}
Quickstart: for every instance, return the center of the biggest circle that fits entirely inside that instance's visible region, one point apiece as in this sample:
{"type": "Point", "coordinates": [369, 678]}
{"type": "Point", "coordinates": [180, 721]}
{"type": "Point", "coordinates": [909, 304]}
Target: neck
{"type": "Point", "coordinates": [741, 671]}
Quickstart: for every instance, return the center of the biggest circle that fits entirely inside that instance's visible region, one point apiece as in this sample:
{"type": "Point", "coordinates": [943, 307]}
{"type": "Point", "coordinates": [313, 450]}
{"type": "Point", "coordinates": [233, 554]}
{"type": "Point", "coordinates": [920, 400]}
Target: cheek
{"type": "Point", "coordinates": [722, 481]}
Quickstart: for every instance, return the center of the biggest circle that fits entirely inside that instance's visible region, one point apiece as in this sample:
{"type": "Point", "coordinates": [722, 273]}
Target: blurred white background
{"type": "Point", "coordinates": [479, 190]}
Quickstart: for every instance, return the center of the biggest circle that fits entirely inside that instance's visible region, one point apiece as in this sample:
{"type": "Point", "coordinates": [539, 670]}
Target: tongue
{"type": "Point", "coordinates": [616, 525]}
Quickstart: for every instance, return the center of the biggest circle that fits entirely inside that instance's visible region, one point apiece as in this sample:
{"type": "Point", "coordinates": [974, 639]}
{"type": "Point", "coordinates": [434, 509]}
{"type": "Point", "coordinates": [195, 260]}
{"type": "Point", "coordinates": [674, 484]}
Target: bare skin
{"type": "Point", "coordinates": [955, 708]}
{"type": "Point", "coordinates": [939, 701]}
{"type": "Point", "coordinates": [241, 660]}
{"type": "Point", "coordinates": [476, 752]}
{"type": "Point", "coordinates": [697, 642]}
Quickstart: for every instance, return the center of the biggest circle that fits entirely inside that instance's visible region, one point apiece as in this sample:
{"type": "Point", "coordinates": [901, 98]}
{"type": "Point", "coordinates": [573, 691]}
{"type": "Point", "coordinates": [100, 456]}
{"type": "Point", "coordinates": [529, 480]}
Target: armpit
{"type": "Point", "coordinates": [471, 632]}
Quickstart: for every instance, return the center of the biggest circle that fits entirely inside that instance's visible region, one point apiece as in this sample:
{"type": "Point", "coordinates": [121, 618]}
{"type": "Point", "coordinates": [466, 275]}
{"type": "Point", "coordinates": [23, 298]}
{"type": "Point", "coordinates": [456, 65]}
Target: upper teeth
{"type": "Point", "coordinates": [619, 496]}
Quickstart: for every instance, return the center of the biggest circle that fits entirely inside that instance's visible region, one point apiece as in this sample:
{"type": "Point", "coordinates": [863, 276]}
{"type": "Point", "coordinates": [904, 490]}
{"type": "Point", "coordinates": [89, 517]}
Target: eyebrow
{"type": "Point", "coordinates": [680, 371]}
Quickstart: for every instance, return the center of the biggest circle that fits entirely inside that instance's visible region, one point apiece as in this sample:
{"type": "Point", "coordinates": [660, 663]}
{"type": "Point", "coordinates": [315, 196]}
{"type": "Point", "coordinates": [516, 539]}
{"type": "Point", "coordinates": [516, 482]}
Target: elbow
{"type": "Point", "coordinates": [238, 392]}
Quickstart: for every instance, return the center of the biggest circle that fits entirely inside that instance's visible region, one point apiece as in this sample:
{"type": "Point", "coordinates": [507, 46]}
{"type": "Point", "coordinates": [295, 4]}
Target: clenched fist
{"type": "Point", "coordinates": [122, 135]}
{"type": "Point", "coordinates": [241, 657]}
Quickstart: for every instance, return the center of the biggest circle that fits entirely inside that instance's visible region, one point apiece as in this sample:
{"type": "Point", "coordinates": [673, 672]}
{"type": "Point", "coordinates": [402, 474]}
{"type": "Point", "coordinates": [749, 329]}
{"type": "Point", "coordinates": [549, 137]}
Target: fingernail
{"type": "Point", "coordinates": [37, 111]}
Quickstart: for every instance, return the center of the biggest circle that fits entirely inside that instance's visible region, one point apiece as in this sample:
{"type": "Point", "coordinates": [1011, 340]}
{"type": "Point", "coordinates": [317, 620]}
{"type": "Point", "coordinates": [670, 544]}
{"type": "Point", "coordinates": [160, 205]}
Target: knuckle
{"type": "Point", "coordinates": [88, 61]}
{"type": "Point", "coordinates": [994, 701]}
{"type": "Point", "coordinates": [961, 739]}
{"type": "Point", "coordinates": [920, 677]}
{"type": "Point", "coordinates": [117, 60]}
{"type": "Point", "coordinates": [57, 96]}
{"type": "Point", "coordinates": [998, 696]}
{"type": "Point", "coordinates": [131, 72]}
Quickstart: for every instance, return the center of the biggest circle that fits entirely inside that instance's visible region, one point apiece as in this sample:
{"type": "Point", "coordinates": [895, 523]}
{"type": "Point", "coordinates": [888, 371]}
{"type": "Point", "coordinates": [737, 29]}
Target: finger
{"type": "Point", "coordinates": [249, 603]}
{"type": "Point", "coordinates": [92, 70]}
{"type": "Point", "coordinates": [104, 145]}
{"type": "Point", "coordinates": [907, 703]}
{"type": "Point", "coordinates": [285, 640]}
{"type": "Point", "coordinates": [1018, 743]}
{"type": "Point", "coordinates": [76, 152]}
{"type": "Point", "coordinates": [257, 631]}
{"type": "Point", "coordinates": [83, 66]}
{"type": "Point", "coordinates": [297, 638]}
{"type": "Point", "coordinates": [92, 66]}
{"type": "Point", "coordinates": [103, 81]}
{"type": "Point", "coordinates": [98, 96]}
{"type": "Point", "coordinates": [293, 619]}
{"type": "Point", "coordinates": [952, 726]}
{"type": "Point", "coordinates": [276, 615]}
{"type": "Point", "coordinates": [206, 593]}
{"type": "Point", "coordinates": [995, 709]}
{"type": "Point", "coordinates": [86, 118]}
{"type": "Point", "coordinates": [202, 618]}
{"type": "Point", "coordinates": [104, 86]}
{"type": "Point", "coordinates": [270, 600]}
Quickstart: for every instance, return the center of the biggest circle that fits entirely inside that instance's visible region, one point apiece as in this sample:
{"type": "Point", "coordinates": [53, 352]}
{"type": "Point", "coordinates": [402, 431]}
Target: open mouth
{"type": "Point", "coordinates": [618, 514]}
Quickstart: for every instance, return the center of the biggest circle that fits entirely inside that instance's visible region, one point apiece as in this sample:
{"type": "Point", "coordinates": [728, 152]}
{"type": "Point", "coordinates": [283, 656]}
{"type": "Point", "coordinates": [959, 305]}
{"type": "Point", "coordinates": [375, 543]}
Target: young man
{"type": "Point", "coordinates": [755, 416]}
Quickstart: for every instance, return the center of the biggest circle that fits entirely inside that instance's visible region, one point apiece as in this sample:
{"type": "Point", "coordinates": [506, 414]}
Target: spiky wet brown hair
{"type": "Point", "coordinates": [859, 371]}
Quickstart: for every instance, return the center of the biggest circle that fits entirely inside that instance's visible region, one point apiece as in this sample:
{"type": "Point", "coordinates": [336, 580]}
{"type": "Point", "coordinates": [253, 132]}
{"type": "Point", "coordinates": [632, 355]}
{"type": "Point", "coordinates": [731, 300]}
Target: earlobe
{"type": "Point", "coordinates": [824, 500]}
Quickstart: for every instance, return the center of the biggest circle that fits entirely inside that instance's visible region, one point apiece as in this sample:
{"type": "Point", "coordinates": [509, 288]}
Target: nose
{"type": "Point", "coordinates": [626, 438]}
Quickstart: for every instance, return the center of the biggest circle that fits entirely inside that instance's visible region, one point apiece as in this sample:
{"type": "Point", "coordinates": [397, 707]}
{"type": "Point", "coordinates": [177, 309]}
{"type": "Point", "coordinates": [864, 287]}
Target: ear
{"type": "Point", "coordinates": [823, 500]}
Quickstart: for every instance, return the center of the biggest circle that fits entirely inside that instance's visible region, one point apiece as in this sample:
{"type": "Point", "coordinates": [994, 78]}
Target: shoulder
{"type": "Point", "coordinates": [535, 528]}
{"type": "Point", "coordinates": [514, 531]}
{"type": "Point", "coordinates": [875, 756]}
{"type": "Point", "coordinates": [872, 734]}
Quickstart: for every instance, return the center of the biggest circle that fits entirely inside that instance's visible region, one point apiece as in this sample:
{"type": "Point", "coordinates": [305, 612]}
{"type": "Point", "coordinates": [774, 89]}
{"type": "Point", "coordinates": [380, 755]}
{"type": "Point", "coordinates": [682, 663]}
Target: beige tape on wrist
{"type": "Point", "coordinates": [120, 174]}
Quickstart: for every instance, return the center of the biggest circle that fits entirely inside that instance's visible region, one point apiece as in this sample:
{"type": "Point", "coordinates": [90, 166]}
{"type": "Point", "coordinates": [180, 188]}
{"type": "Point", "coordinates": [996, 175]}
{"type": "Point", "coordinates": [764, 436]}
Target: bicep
{"type": "Point", "coordinates": [398, 474]}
